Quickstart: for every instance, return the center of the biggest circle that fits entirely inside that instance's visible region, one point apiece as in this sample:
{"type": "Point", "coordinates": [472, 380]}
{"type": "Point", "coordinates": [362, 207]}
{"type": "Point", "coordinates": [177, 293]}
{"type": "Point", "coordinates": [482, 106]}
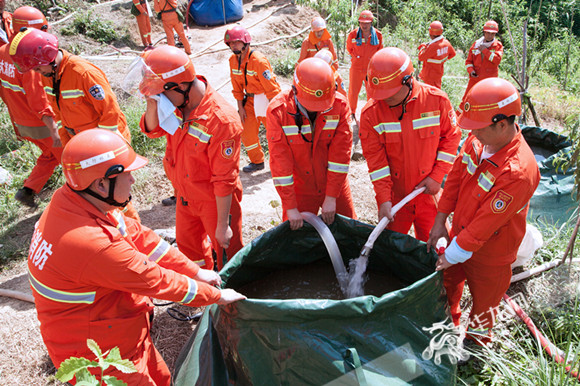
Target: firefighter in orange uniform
{"type": "Point", "coordinates": [254, 85]}
{"type": "Point", "coordinates": [318, 39]}
{"type": "Point", "coordinates": [434, 55]}
{"type": "Point", "coordinates": [409, 138]}
{"type": "Point", "coordinates": [6, 30]}
{"type": "Point", "coordinates": [171, 22]}
{"type": "Point", "coordinates": [361, 45]}
{"type": "Point", "coordinates": [488, 190]}
{"type": "Point", "coordinates": [310, 140]}
{"type": "Point", "coordinates": [143, 23]}
{"type": "Point", "coordinates": [93, 271]}
{"type": "Point", "coordinates": [325, 55]}
{"type": "Point", "coordinates": [202, 155]}
{"type": "Point", "coordinates": [484, 57]}
{"type": "Point", "coordinates": [78, 91]}
{"type": "Point", "coordinates": [30, 111]}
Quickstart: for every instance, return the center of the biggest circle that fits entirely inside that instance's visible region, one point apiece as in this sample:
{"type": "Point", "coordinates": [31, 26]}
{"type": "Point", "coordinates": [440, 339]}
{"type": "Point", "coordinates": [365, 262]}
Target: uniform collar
{"type": "Point", "coordinates": [505, 152]}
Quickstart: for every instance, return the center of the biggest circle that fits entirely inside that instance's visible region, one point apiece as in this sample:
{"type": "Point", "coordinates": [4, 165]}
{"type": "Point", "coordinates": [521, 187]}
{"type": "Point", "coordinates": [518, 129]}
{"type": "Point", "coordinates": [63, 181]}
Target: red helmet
{"type": "Point", "coordinates": [97, 153]}
{"type": "Point", "coordinates": [29, 17]}
{"type": "Point", "coordinates": [436, 28]}
{"type": "Point", "coordinates": [32, 48]}
{"type": "Point", "coordinates": [314, 83]}
{"type": "Point", "coordinates": [366, 17]}
{"type": "Point", "coordinates": [490, 26]}
{"type": "Point", "coordinates": [388, 70]}
{"type": "Point", "coordinates": [236, 33]}
{"type": "Point", "coordinates": [165, 68]}
{"type": "Point", "coordinates": [488, 102]}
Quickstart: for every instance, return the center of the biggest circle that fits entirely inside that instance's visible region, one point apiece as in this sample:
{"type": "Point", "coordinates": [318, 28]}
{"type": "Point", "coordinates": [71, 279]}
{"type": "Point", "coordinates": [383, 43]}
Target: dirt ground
{"type": "Point", "coordinates": [23, 357]}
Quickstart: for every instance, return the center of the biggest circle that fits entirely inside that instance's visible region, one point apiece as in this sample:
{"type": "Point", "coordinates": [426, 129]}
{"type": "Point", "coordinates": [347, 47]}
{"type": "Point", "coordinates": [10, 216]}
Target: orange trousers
{"type": "Point", "coordinates": [312, 203]}
{"type": "Point", "coordinates": [144, 25]}
{"type": "Point", "coordinates": [151, 368]}
{"type": "Point", "coordinates": [196, 220]}
{"type": "Point", "coordinates": [250, 135]}
{"type": "Point", "coordinates": [45, 164]}
{"type": "Point", "coordinates": [355, 80]}
{"type": "Point", "coordinates": [171, 22]}
{"type": "Point", "coordinates": [487, 285]}
{"type": "Point", "coordinates": [420, 213]}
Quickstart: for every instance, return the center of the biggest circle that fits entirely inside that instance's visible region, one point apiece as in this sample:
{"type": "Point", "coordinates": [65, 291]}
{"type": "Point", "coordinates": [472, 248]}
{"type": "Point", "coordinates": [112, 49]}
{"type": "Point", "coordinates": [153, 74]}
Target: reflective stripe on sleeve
{"type": "Point", "coordinates": [191, 291]}
{"type": "Point", "coordinates": [445, 157]}
{"type": "Point", "coordinates": [159, 251]}
{"type": "Point", "coordinates": [491, 56]}
{"type": "Point", "coordinates": [111, 128]}
{"type": "Point", "coordinates": [12, 87]}
{"type": "Point", "coordinates": [381, 173]}
{"type": "Point", "coordinates": [61, 296]}
{"type": "Point", "coordinates": [283, 181]}
{"type": "Point", "coordinates": [337, 168]}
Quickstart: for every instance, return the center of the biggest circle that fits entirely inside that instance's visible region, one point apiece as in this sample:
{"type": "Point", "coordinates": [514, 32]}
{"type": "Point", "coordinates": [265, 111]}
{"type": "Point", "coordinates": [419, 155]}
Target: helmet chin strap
{"type": "Point", "coordinates": [110, 198]}
{"type": "Point", "coordinates": [407, 81]}
{"type": "Point", "coordinates": [185, 95]}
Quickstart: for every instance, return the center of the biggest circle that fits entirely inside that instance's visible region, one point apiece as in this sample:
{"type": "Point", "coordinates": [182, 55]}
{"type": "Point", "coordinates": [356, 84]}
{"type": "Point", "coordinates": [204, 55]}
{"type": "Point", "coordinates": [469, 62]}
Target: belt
{"type": "Point", "coordinates": [183, 202]}
{"type": "Point", "coordinates": [71, 131]}
{"type": "Point", "coordinates": [249, 95]}
{"type": "Point", "coordinates": [170, 10]}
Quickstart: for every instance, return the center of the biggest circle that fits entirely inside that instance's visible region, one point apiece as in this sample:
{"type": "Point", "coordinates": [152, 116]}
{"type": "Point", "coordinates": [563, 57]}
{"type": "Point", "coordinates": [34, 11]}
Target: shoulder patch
{"type": "Point", "coordinates": [267, 75]}
{"type": "Point", "coordinates": [97, 92]}
{"type": "Point", "coordinates": [453, 117]}
{"type": "Point", "coordinates": [228, 148]}
{"type": "Point", "coordinates": [500, 201]}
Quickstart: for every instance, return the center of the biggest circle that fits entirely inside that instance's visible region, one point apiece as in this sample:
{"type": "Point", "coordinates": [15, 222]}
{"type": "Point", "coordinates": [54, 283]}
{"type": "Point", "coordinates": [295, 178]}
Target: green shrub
{"type": "Point", "coordinates": [284, 64]}
{"type": "Point", "coordinates": [91, 26]}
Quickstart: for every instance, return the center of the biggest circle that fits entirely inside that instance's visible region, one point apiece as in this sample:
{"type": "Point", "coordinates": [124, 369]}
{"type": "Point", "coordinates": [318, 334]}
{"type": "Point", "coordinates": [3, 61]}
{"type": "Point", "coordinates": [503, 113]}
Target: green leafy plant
{"type": "Point", "coordinates": [91, 26]}
{"type": "Point", "coordinates": [79, 367]}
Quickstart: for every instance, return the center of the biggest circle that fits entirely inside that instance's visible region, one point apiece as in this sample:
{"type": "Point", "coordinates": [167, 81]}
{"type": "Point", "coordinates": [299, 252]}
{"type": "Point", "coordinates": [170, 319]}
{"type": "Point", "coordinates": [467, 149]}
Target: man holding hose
{"type": "Point", "coordinates": [409, 138]}
{"type": "Point", "coordinates": [488, 189]}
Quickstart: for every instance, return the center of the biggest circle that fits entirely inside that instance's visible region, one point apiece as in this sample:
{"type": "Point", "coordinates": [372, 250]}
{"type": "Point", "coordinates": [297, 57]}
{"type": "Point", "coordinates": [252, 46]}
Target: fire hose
{"type": "Point", "coordinates": [556, 354]}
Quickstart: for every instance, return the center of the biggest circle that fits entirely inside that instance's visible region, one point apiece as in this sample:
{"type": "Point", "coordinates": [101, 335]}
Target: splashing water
{"type": "Point", "coordinates": [357, 279]}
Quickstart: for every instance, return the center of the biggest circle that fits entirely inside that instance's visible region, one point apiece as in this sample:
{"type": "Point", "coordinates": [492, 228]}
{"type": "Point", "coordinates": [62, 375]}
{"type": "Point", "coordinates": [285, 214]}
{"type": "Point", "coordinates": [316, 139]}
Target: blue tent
{"type": "Point", "coordinates": [216, 12]}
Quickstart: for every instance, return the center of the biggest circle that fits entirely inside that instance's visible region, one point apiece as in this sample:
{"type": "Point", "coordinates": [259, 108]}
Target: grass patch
{"type": "Point", "coordinates": [91, 26]}
{"type": "Point", "coordinates": [284, 64]}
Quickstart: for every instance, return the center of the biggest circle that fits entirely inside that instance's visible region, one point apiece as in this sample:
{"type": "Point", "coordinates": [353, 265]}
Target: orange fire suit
{"type": "Point", "coordinates": [306, 167]}
{"type": "Point", "coordinates": [202, 162]}
{"type": "Point", "coordinates": [143, 22]}
{"type": "Point", "coordinates": [361, 50]}
{"type": "Point", "coordinates": [250, 76]}
{"type": "Point", "coordinates": [6, 25]}
{"type": "Point", "coordinates": [85, 100]}
{"type": "Point", "coordinates": [311, 45]}
{"type": "Point", "coordinates": [93, 276]}
{"type": "Point", "coordinates": [434, 55]}
{"type": "Point", "coordinates": [402, 153]}
{"type": "Point", "coordinates": [490, 200]}
{"type": "Point", "coordinates": [485, 63]}
{"type": "Point", "coordinates": [26, 101]}
{"type": "Point", "coordinates": [171, 22]}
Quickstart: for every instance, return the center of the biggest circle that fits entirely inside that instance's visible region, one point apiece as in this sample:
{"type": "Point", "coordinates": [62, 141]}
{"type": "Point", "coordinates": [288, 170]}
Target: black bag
{"type": "Point", "coordinates": [134, 10]}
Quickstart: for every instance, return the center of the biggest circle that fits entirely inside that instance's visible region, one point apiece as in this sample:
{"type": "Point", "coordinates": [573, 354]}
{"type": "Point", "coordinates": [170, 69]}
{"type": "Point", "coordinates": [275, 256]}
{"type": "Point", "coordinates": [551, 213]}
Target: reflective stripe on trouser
{"type": "Point", "coordinates": [355, 81]}
{"type": "Point", "coordinates": [45, 164]}
{"type": "Point", "coordinates": [251, 133]}
{"type": "Point", "coordinates": [420, 213]}
{"type": "Point", "coordinates": [144, 25]}
{"type": "Point", "coordinates": [487, 285]}
{"type": "Point", "coordinates": [151, 368]}
{"type": "Point", "coordinates": [312, 203]}
{"type": "Point", "coordinates": [197, 220]}
{"type": "Point", "coordinates": [170, 23]}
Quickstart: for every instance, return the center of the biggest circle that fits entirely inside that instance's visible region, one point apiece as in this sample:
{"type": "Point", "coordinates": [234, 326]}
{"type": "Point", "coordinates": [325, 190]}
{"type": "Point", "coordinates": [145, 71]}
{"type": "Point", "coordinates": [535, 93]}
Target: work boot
{"type": "Point", "coordinates": [170, 201]}
{"type": "Point", "coordinates": [252, 167]}
{"type": "Point", "coordinates": [26, 196]}
{"type": "Point", "coordinates": [148, 48]}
